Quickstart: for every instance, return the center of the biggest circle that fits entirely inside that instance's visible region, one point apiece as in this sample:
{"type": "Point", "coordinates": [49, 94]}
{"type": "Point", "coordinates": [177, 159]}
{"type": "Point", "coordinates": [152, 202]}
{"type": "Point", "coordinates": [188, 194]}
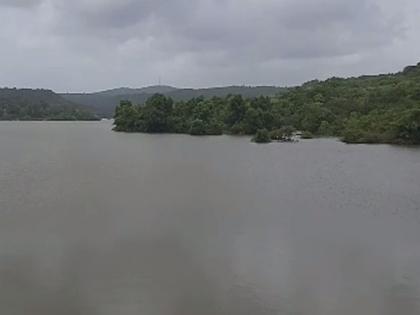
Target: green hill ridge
{"type": "Point", "coordinates": [39, 104]}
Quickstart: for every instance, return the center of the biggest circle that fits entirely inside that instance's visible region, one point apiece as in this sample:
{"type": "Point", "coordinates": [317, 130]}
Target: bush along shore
{"type": "Point", "coordinates": [367, 109]}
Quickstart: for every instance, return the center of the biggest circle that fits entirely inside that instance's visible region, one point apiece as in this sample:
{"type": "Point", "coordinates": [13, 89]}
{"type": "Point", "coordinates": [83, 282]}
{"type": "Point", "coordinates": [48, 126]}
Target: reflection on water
{"type": "Point", "coordinates": [94, 222]}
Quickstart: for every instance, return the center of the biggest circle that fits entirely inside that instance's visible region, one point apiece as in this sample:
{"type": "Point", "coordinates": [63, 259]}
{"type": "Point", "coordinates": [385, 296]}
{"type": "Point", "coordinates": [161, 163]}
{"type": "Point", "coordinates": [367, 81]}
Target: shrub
{"type": "Point", "coordinates": [197, 128]}
{"type": "Point", "coordinates": [262, 136]}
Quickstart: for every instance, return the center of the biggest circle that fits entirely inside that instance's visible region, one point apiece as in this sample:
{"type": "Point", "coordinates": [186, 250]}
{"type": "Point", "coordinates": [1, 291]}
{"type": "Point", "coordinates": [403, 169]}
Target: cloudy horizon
{"type": "Point", "coordinates": [90, 45]}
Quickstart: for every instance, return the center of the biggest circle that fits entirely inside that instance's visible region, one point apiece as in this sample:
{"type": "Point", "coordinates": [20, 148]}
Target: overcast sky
{"type": "Point", "coordinates": [87, 45]}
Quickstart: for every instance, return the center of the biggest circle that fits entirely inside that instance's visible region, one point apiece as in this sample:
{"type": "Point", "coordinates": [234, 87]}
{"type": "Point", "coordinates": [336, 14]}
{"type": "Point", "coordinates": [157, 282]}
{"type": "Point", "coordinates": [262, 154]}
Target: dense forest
{"type": "Point", "coordinates": [104, 103]}
{"type": "Point", "coordinates": [28, 104]}
{"type": "Point", "coordinates": [367, 109]}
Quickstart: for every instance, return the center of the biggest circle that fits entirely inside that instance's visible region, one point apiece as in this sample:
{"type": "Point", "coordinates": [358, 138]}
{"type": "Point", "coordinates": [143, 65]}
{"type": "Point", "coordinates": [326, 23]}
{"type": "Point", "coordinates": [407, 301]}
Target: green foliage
{"type": "Point", "coordinates": [262, 136]}
{"type": "Point", "coordinates": [408, 126]}
{"type": "Point", "coordinates": [28, 104]}
{"type": "Point", "coordinates": [375, 127]}
{"type": "Point", "coordinates": [236, 110]}
{"type": "Point", "coordinates": [214, 128]}
{"type": "Point", "coordinates": [368, 109]}
{"type": "Point", "coordinates": [156, 114]}
{"type": "Point", "coordinates": [324, 129]}
{"type": "Point", "coordinates": [198, 128]}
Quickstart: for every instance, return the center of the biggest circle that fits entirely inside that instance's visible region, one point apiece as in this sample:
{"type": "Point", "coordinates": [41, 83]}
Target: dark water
{"type": "Point", "coordinates": [96, 222]}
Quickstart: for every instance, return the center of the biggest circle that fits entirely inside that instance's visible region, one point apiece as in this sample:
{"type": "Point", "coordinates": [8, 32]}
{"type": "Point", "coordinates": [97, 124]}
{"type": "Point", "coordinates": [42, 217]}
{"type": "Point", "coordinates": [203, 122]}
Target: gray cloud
{"type": "Point", "coordinates": [20, 3]}
{"type": "Point", "coordinates": [94, 44]}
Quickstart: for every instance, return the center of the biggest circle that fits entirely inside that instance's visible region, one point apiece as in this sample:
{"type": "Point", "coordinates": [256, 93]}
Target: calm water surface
{"type": "Point", "coordinates": [96, 222]}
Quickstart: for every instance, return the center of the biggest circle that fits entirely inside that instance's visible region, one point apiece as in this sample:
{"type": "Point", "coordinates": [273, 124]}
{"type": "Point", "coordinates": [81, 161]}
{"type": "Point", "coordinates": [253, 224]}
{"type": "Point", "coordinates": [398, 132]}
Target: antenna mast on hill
{"type": "Point", "coordinates": [160, 81]}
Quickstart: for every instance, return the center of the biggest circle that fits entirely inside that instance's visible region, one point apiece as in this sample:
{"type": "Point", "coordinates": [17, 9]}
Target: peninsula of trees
{"type": "Point", "coordinates": [367, 109]}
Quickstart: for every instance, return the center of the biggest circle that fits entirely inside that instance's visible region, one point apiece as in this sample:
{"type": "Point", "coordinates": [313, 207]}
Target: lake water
{"type": "Point", "coordinates": [97, 222]}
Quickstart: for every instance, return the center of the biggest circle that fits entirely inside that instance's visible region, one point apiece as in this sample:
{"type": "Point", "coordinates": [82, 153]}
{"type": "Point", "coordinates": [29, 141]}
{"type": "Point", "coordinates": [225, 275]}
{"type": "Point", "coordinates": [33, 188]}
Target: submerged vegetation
{"type": "Point", "coordinates": [367, 109]}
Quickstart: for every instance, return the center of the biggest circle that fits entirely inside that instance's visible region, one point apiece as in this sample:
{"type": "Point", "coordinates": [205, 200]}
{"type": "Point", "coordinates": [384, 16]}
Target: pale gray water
{"type": "Point", "coordinates": [97, 222]}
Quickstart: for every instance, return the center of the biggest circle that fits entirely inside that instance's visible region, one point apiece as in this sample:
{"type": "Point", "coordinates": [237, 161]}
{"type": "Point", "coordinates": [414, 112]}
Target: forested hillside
{"type": "Point", "coordinates": [28, 104]}
{"type": "Point", "coordinates": [367, 109]}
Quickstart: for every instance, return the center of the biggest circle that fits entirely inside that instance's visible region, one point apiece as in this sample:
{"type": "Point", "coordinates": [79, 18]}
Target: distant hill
{"type": "Point", "coordinates": [104, 102]}
{"type": "Point", "coordinates": [39, 104]}
{"type": "Point", "coordinates": [145, 90]}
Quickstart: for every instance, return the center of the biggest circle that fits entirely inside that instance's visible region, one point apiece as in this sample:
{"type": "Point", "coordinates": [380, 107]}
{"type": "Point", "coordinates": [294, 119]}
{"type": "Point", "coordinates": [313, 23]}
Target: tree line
{"type": "Point", "coordinates": [367, 109]}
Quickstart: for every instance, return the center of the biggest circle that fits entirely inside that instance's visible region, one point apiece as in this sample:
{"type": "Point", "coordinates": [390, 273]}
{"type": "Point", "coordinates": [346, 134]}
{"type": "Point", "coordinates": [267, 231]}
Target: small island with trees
{"type": "Point", "coordinates": [366, 109]}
